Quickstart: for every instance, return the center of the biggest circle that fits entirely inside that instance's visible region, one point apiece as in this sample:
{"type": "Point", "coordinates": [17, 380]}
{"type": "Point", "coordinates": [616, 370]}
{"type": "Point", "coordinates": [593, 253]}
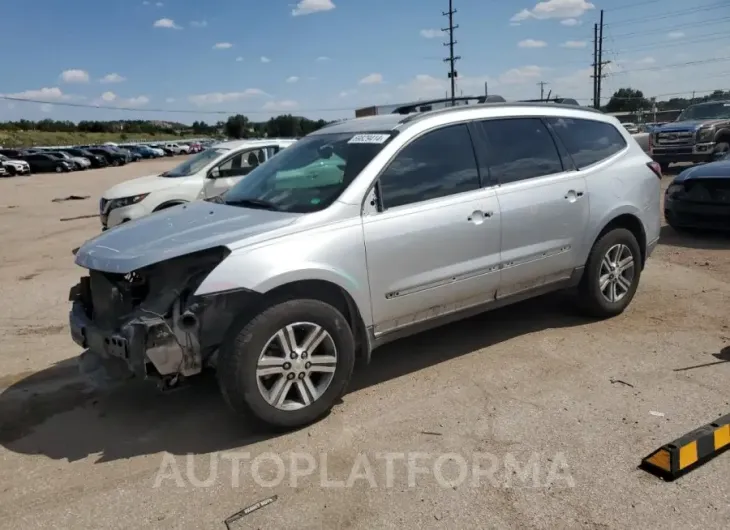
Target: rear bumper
{"type": "Point", "coordinates": [697, 215]}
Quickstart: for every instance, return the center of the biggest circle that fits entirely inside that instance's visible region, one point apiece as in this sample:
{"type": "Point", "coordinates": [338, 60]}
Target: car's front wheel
{"type": "Point", "coordinates": [612, 274]}
{"type": "Point", "coordinates": [289, 365]}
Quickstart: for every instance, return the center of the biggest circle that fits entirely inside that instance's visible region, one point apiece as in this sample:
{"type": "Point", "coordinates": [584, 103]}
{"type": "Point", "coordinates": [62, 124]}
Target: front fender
{"type": "Point", "coordinates": [336, 256]}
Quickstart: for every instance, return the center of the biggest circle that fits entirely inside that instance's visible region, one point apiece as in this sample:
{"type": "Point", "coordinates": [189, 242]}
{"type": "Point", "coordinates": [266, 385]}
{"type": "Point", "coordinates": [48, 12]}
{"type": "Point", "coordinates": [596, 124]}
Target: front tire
{"type": "Point", "coordinates": [115, 162]}
{"type": "Point", "coordinates": [289, 365]}
{"type": "Point", "coordinates": [612, 274]}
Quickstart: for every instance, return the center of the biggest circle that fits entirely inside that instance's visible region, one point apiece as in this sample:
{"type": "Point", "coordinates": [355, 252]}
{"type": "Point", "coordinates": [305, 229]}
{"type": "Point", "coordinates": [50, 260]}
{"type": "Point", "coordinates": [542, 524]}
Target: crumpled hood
{"type": "Point", "coordinates": [148, 184]}
{"type": "Point", "coordinates": [688, 125]}
{"type": "Point", "coordinates": [175, 232]}
{"type": "Point", "coordinates": [712, 170]}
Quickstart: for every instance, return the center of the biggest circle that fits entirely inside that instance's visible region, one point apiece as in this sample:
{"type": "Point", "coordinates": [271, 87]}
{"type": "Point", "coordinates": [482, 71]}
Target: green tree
{"type": "Point", "coordinates": [627, 100]}
{"type": "Point", "coordinates": [237, 126]}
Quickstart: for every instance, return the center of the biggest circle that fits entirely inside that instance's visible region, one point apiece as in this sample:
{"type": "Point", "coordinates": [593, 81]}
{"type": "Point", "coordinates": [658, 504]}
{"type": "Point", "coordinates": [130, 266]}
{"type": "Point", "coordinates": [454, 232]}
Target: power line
{"type": "Point", "coordinates": [670, 28]}
{"type": "Point", "coordinates": [710, 37]}
{"type": "Point", "coordinates": [673, 66]}
{"type": "Point", "coordinates": [175, 111]}
{"type": "Point", "coordinates": [670, 14]}
{"type": "Point", "coordinates": [451, 59]}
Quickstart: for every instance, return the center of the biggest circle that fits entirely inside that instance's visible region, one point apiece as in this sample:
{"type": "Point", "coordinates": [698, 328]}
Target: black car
{"type": "Point", "coordinates": [699, 197]}
{"type": "Point", "coordinates": [139, 152]}
{"type": "Point", "coordinates": [13, 153]}
{"type": "Point", "coordinates": [96, 160]}
{"type": "Point", "coordinates": [113, 157]}
{"type": "Point", "coordinates": [65, 156]}
{"type": "Point", "coordinates": [41, 162]}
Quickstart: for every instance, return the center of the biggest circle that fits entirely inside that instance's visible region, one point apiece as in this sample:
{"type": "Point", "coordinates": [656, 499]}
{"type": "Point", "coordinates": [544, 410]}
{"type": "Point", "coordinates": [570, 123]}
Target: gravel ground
{"type": "Point", "coordinates": [525, 417]}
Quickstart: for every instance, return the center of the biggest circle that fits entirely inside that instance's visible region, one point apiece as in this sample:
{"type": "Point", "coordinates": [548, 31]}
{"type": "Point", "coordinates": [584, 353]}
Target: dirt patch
{"type": "Point", "coordinates": [42, 331]}
{"type": "Point", "coordinates": [27, 277]}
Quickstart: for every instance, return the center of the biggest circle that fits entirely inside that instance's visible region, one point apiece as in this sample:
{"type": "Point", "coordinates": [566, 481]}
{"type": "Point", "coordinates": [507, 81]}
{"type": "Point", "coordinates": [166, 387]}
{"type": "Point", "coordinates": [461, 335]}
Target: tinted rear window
{"type": "Point", "coordinates": [588, 141]}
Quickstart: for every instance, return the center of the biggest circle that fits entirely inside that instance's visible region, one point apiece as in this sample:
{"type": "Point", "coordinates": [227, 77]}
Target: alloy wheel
{"type": "Point", "coordinates": [296, 366]}
{"type": "Point", "coordinates": [617, 273]}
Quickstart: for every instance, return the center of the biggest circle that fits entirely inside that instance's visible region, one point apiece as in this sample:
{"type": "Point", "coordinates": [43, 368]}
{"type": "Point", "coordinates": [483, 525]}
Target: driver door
{"type": "Point", "coordinates": [226, 174]}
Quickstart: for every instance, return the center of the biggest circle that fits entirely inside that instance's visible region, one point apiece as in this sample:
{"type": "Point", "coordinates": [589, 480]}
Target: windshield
{"type": "Point", "coordinates": [308, 176]}
{"type": "Point", "coordinates": [195, 164]}
{"type": "Point", "coordinates": [707, 111]}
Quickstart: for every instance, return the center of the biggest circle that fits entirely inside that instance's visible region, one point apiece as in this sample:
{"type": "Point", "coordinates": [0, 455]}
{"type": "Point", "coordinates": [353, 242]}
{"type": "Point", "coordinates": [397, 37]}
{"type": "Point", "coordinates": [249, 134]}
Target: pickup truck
{"type": "Point", "coordinates": [701, 133]}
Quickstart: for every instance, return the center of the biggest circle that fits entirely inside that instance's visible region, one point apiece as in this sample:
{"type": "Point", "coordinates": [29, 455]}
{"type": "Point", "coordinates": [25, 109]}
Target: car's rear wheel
{"type": "Point", "coordinates": [289, 365]}
{"type": "Point", "coordinates": [59, 169]}
{"type": "Point", "coordinates": [115, 162]}
{"type": "Point", "coordinates": [612, 274]}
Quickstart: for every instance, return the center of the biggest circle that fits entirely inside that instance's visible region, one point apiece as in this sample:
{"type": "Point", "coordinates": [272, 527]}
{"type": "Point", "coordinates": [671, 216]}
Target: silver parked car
{"type": "Point", "coordinates": [360, 233]}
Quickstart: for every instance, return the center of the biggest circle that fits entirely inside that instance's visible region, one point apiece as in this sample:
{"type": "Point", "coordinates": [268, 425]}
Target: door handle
{"type": "Point", "coordinates": [573, 195]}
{"type": "Point", "coordinates": [477, 217]}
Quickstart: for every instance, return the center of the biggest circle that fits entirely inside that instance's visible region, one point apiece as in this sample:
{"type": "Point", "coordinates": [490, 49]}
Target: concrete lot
{"type": "Point", "coordinates": [532, 384]}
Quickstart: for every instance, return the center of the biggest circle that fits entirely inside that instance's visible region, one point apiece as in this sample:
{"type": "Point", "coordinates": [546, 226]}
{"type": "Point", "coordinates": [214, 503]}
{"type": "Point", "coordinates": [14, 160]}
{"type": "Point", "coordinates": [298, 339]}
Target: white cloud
{"type": "Point", "coordinates": [199, 24]}
{"type": "Point", "coordinates": [112, 78]}
{"type": "Point", "coordinates": [46, 107]}
{"type": "Point", "coordinates": [292, 79]}
{"type": "Point", "coordinates": [431, 33]}
{"type": "Point", "coordinates": [167, 23]}
{"type": "Point", "coordinates": [554, 9]}
{"type": "Point", "coordinates": [43, 94]}
{"type": "Point", "coordinates": [108, 96]}
{"type": "Point", "coordinates": [239, 59]}
{"type": "Point", "coordinates": [307, 7]}
{"type": "Point", "coordinates": [424, 86]}
{"type": "Point", "coordinates": [675, 35]}
{"type": "Point", "coordinates": [372, 79]}
{"type": "Point", "coordinates": [214, 98]}
{"type": "Point", "coordinates": [532, 43]}
{"type": "Point", "coordinates": [170, 100]}
{"type": "Point", "coordinates": [322, 59]}
{"type": "Point", "coordinates": [518, 76]}
{"type": "Point", "coordinates": [574, 44]}
{"type": "Point", "coordinates": [280, 106]}
{"type": "Point", "coordinates": [75, 76]}
{"type": "Point", "coordinates": [159, 4]}
{"type": "Point", "coordinates": [139, 101]}
{"type": "Point", "coordinates": [265, 59]}
{"type": "Point", "coordinates": [222, 46]}
{"type": "Point", "coordinates": [570, 22]}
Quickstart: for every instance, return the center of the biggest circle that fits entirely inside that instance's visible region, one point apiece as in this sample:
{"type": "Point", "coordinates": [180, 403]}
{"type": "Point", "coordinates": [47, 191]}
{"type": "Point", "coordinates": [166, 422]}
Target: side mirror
{"type": "Point", "coordinates": [214, 173]}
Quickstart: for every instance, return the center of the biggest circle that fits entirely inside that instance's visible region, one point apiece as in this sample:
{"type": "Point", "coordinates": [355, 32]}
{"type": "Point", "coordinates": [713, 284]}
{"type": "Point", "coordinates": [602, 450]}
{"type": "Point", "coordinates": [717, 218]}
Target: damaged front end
{"type": "Point", "coordinates": [149, 323]}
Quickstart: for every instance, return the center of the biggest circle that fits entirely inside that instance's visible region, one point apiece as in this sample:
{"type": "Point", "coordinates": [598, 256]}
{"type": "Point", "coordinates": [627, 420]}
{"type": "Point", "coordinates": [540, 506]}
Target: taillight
{"type": "Point", "coordinates": [656, 168]}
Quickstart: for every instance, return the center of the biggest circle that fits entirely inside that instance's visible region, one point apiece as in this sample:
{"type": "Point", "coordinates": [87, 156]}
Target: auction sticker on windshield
{"type": "Point", "coordinates": [369, 139]}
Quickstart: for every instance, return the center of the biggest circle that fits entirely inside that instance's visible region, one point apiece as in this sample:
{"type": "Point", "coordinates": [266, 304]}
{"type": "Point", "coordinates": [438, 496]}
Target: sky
{"type": "Point", "coordinates": [325, 58]}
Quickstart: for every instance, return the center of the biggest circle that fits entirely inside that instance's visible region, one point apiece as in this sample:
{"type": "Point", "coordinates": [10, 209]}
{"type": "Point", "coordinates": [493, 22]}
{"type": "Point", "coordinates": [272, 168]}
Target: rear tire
{"type": "Point", "coordinates": [612, 274]}
{"type": "Point", "coordinates": [256, 343]}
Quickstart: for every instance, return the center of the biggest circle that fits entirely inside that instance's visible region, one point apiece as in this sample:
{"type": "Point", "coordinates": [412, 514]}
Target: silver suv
{"type": "Point", "coordinates": [360, 233]}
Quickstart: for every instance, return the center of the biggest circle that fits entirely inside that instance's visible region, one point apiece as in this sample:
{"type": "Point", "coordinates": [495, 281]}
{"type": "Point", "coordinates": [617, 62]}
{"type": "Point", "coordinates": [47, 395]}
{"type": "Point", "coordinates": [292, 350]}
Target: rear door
{"type": "Point", "coordinates": [542, 200]}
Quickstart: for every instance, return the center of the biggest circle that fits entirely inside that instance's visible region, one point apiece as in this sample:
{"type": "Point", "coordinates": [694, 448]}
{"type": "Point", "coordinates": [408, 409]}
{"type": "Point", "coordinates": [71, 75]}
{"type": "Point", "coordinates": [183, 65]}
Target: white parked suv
{"type": "Point", "coordinates": [207, 174]}
{"type": "Point", "coordinates": [177, 148]}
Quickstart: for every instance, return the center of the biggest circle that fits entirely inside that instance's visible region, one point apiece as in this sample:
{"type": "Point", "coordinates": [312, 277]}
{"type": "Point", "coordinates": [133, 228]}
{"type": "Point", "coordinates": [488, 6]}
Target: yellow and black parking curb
{"type": "Point", "coordinates": [684, 454]}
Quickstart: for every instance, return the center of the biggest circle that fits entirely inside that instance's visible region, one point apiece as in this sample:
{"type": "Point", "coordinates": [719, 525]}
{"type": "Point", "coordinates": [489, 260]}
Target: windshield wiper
{"type": "Point", "coordinates": [253, 203]}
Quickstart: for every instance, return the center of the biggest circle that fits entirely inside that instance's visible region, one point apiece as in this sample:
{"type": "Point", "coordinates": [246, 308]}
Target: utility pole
{"type": "Point", "coordinates": [598, 62]}
{"type": "Point", "coordinates": [595, 66]}
{"type": "Point", "coordinates": [542, 84]}
{"type": "Point", "coordinates": [451, 59]}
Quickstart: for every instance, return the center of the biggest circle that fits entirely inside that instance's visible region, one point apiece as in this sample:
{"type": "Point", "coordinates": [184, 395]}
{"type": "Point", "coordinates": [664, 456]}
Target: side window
{"type": "Point", "coordinates": [271, 151]}
{"type": "Point", "coordinates": [438, 164]}
{"type": "Point", "coordinates": [588, 141]}
{"type": "Point", "coordinates": [520, 149]}
{"type": "Point", "coordinates": [241, 163]}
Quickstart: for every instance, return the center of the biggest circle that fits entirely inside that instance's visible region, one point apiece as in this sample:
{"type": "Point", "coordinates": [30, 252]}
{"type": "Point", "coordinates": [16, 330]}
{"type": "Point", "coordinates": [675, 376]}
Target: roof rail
{"type": "Point", "coordinates": [560, 101]}
{"type": "Point", "coordinates": [423, 106]}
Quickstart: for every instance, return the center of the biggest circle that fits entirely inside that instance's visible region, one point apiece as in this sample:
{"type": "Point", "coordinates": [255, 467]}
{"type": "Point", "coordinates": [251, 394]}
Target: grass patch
{"type": "Point", "coordinates": [15, 139]}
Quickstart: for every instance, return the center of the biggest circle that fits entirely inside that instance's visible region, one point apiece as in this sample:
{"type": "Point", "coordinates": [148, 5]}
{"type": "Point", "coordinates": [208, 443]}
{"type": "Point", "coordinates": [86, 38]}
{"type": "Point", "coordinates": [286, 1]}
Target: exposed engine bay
{"type": "Point", "coordinates": [148, 323]}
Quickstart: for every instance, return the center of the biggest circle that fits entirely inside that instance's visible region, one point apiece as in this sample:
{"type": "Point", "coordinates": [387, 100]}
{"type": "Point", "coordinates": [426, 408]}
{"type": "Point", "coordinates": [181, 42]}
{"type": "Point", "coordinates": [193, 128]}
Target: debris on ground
{"type": "Point", "coordinates": [246, 511]}
{"type": "Point", "coordinates": [71, 198]}
{"type": "Point", "coordinates": [620, 382]}
{"type": "Point", "coordinates": [79, 217]}
{"type": "Point", "coordinates": [657, 414]}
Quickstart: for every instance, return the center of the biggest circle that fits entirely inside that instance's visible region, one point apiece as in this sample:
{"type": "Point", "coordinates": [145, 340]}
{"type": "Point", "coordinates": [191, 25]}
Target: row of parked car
{"type": "Point", "coordinates": [64, 159]}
